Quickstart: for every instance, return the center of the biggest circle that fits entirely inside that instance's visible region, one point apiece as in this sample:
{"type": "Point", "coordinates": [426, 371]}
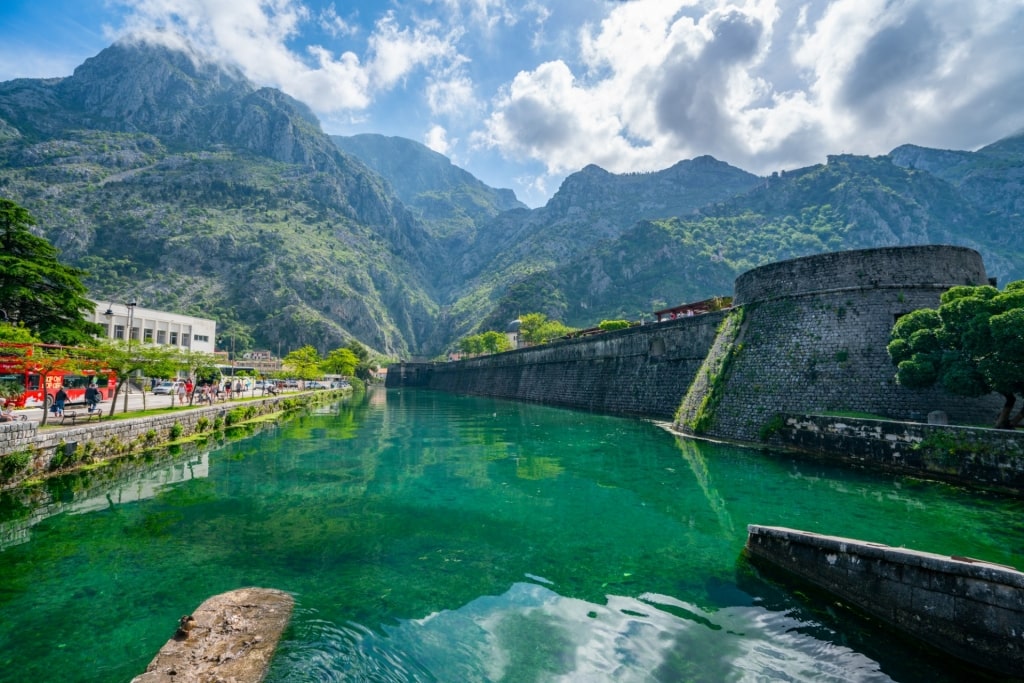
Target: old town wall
{"type": "Point", "coordinates": [644, 370]}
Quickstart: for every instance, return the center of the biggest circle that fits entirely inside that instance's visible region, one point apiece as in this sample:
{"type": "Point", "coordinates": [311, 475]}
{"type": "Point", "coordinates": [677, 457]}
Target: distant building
{"type": "Point", "coordinates": [155, 327]}
{"type": "Point", "coordinates": [512, 333]}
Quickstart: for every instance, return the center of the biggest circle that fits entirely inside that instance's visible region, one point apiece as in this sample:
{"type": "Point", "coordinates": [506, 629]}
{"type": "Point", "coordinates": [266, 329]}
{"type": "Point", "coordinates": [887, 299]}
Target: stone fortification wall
{"type": "Point", "coordinates": [969, 609]}
{"type": "Point", "coordinates": [989, 457]}
{"type": "Point", "coordinates": [813, 337]}
{"type": "Point", "coordinates": [642, 371]}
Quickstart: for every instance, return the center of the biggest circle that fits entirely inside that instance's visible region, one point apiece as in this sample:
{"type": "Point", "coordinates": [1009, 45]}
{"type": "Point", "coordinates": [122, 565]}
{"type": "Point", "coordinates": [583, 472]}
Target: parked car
{"type": "Point", "coordinates": [165, 388]}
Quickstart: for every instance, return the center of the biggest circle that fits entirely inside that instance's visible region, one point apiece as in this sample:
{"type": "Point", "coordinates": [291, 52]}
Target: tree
{"type": "Point", "coordinates": [151, 360]}
{"type": "Point", "coordinates": [36, 290]}
{"type": "Point", "coordinates": [485, 342]}
{"type": "Point", "coordinates": [972, 345]}
{"type": "Point", "coordinates": [537, 328]}
{"type": "Point", "coordinates": [340, 362]}
{"type": "Point", "coordinates": [364, 368]}
{"type": "Point", "coordinates": [303, 363]}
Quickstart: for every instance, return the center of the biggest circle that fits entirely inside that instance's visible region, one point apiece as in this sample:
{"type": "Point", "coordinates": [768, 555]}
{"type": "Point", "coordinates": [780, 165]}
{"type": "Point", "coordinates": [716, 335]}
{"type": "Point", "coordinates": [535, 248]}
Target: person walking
{"type": "Point", "coordinates": [58, 402]}
{"type": "Point", "coordinates": [180, 392]}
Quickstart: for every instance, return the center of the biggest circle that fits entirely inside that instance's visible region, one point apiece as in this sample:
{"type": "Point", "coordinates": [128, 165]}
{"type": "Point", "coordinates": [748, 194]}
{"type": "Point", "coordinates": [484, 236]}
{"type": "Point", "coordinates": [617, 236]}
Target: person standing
{"type": "Point", "coordinates": [180, 392]}
{"type": "Point", "coordinates": [92, 397]}
{"type": "Point", "coordinates": [58, 402]}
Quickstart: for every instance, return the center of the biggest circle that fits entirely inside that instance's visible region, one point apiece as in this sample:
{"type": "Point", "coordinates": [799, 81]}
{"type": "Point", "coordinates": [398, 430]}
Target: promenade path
{"type": "Point", "coordinates": [135, 405]}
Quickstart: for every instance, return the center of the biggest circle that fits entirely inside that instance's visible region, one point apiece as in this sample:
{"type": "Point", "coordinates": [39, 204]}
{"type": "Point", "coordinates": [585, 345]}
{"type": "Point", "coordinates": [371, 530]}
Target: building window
{"type": "Point", "coordinates": [174, 338]}
{"type": "Point", "coordinates": [161, 336]}
{"type": "Point", "coordinates": [201, 338]}
{"type": "Point", "coordinates": [118, 331]}
{"type": "Point", "coordinates": [184, 341]}
{"type": "Point", "coordinates": [135, 333]}
{"type": "Point", "coordinates": [147, 336]}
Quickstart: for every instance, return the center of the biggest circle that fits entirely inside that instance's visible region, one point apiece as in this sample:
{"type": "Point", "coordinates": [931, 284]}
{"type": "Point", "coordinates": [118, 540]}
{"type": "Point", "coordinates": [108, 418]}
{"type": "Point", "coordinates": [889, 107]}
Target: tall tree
{"type": "Point", "coordinates": [972, 345]}
{"type": "Point", "coordinates": [36, 289]}
{"type": "Point", "coordinates": [340, 362]}
{"type": "Point", "coordinates": [303, 363]}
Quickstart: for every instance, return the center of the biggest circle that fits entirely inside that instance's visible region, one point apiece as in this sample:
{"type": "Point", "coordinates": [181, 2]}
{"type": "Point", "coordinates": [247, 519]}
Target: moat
{"type": "Point", "coordinates": [431, 537]}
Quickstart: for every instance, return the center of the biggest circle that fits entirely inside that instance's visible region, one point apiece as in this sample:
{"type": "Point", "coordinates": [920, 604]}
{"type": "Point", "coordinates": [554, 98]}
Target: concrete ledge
{"type": "Point", "coordinates": [971, 609]}
{"type": "Point", "coordinates": [232, 638]}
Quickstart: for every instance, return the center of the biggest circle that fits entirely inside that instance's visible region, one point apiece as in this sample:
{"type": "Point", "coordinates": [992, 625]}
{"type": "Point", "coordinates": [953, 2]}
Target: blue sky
{"type": "Point", "coordinates": [523, 92]}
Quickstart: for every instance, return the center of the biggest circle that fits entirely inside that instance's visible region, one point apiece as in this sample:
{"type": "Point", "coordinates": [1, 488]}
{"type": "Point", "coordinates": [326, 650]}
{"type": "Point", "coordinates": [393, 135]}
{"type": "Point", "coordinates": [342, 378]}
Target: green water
{"type": "Point", "coordinates": [428, 537]}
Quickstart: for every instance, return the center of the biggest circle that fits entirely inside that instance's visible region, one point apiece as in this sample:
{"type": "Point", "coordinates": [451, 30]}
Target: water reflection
{"type": "Point", "coordinates": [531, 633]}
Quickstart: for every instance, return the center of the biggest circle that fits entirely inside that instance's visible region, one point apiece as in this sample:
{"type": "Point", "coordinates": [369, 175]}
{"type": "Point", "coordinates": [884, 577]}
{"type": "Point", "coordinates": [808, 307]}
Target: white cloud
{"type": "Point", "coordinates": [437, 140]}
{"type": "Point", "coordinates": [453, 96]}
{"type": "Point", "coordinates": [255, 35]}
{"type": "Point", "coordinates": [657, 81]}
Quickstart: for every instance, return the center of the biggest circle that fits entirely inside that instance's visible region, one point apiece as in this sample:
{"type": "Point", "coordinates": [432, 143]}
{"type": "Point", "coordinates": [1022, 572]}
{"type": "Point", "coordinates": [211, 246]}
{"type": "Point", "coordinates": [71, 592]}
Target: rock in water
{"type": "Point", "coordinates": [230, 637]}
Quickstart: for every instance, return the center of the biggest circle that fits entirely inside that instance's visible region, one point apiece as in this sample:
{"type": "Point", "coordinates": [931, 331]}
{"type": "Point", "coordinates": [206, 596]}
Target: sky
{"type": "Point", "coordinates": [522, 93]}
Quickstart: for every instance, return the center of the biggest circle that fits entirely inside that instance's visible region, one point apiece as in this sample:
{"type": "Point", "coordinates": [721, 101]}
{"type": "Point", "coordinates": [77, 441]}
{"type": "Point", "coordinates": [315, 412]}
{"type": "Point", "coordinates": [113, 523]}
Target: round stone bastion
{"type": "Point", "coordinates": [931, 267]}
{"type": "Point", "coordinates": [810, 336]}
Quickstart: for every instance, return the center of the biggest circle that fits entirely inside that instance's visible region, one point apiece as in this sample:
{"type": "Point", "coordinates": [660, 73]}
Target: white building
{"type": "Point", "coordinates": [156, 327]}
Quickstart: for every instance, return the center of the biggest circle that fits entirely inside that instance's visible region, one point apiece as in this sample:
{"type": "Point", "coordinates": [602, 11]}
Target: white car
{"type": "Point", "coordinates": [165, 388]}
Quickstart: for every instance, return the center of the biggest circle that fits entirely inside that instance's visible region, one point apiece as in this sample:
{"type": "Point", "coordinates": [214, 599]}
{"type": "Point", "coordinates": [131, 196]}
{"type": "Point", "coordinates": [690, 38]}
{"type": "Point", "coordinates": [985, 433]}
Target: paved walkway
{"type": "Point", "coordinates": [135, 404]}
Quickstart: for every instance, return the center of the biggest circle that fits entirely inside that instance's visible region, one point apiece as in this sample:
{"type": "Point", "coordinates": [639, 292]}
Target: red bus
{"type": "Point", "coordinates": [16, 367]}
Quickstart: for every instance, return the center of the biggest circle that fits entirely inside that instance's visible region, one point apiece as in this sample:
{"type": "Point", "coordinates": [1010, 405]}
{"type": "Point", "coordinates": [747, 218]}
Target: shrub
{"type": "Point", "coordinates": [202, 424]}
{"type": "Point", "coordinates": [14, 463]}
{"type": "Point", "coordinates": [176, 430]}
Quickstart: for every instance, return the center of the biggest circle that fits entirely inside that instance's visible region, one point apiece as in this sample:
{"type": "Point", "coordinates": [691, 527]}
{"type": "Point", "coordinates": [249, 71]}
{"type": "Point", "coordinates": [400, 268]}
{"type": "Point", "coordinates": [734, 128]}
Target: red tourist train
{"type": "Point", "coordinates": [40, 370]}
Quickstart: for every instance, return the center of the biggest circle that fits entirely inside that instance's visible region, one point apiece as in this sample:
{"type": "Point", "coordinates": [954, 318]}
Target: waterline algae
{"type": "Point", "coordinates": [429, 537]}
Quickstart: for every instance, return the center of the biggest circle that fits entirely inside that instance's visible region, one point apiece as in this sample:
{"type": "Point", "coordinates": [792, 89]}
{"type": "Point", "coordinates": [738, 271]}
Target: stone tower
{"type": "Point", "coordinates": [809, 335]}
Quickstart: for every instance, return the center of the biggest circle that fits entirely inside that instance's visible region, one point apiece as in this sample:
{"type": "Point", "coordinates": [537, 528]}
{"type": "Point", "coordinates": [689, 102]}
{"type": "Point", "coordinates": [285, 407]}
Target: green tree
{"type": "Point", "coordinates": [36, 289]}
{"type": "Point", "coordinates": [495, 342]}
{"type": "Point", "coordinates": [303, 363]}
{"type": "Point", "coordinates": [340, 362]}
{"type": "Point", "coordinates": [485, 342]}
{"type": "Point", "coordinates": [537, 328]}
{"type": "Point", "coordinates": [149, 359]}
{"type": "Point", "coordinates": [365, 366]}
{"type": "Point", "coordinates": [972, 345]}
{"type": "Point", "coordinates": [17, 333]}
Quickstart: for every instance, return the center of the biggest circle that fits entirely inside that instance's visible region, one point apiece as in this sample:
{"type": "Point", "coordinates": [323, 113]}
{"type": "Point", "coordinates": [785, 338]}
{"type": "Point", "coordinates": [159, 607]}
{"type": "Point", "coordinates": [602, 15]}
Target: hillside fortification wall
{"type": "Point", "coordinates": [805, 336]}
{"type": "Point", "coordinates": [809, 335]}
{"type": "Point", "coordinates": [642, 371]}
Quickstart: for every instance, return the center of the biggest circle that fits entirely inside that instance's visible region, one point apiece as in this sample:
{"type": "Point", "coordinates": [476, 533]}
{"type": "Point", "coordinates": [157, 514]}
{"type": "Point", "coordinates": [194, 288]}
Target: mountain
{"type": "Point", "coordinates": [911, 196]}
{"type": "Point", "coordinates": [449, 201]}
{"type": "Point", "coordinates": [183, 184]}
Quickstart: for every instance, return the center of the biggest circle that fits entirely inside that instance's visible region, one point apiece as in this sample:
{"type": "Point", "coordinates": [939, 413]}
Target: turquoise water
{"type": "Point", "coordinates": [429, 537]}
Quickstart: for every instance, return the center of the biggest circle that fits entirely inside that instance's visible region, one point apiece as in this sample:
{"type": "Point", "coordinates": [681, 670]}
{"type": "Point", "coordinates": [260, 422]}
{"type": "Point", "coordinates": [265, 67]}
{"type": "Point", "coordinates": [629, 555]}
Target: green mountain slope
{"type": "Point", "coordinates": [852, 202]}
{"type": "Point", "coordinates": [182, 184]}
{"type": "Point", "coordinates": [449, 201]}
